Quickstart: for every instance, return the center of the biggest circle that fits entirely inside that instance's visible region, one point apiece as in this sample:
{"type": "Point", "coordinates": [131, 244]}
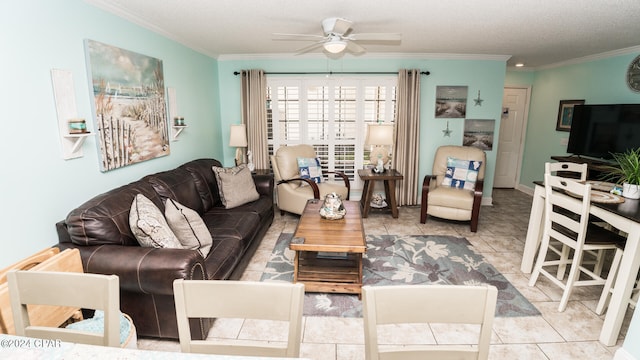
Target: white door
{"type": "Point", "coordinates": [511, 142]}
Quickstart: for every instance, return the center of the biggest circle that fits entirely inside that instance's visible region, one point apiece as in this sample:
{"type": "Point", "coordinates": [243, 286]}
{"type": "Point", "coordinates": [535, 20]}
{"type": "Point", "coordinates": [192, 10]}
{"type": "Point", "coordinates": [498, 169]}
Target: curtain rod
{"type": "Point", "coordinates": [335, 73]}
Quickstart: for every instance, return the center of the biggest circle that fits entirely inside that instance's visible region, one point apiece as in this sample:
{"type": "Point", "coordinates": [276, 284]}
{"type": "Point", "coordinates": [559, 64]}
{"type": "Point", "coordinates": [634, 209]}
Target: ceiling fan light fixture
{"type": "Point", "coordinates": [335, 46]}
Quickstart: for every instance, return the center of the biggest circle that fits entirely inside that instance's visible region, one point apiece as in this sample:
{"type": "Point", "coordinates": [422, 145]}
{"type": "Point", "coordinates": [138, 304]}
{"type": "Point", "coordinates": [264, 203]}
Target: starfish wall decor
{"type": "Point", "coordinates": [446, 131]}
{"type": "Point", "coordinates": [478, 101]}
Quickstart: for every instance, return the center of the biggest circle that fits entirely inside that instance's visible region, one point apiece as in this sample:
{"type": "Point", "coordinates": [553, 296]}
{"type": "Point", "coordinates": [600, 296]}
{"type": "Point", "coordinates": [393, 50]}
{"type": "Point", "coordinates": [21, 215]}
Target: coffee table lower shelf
{"type": "Point", "coordinates": [329, 275]}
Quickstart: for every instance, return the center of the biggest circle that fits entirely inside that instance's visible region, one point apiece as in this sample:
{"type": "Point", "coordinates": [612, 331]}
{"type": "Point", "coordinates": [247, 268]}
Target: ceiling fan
{"type": "Point", "coordinates": [338, 36]}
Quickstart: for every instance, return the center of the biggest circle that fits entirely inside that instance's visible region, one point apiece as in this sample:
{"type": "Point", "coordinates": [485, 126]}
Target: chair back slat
{"type": "Point", "coordinates": [567, 169]}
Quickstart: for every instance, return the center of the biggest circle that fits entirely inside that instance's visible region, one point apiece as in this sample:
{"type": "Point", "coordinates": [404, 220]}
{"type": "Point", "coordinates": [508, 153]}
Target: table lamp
{"type": "Point", "coordinates": [238, 139]}
{"type": "Point", "coordinates": [379, 136]}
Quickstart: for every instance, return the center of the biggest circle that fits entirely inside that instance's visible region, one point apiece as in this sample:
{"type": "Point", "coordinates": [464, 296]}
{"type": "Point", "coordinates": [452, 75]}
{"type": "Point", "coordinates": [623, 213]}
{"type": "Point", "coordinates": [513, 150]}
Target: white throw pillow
{"type": "Point", "coordinates": [149, 225]}
{"type": "Point", "coordinates": [188, 227]}
{"type": "Point", "coordinates": [236, 185]}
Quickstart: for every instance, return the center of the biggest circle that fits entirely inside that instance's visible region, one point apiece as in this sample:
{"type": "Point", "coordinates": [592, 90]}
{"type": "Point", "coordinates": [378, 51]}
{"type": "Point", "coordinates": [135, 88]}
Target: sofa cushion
{"type": "Point", "coordinates": [263, 207]}
{"type": "Point", "coordinates": [205, 181]}
{"type": "Point", "coordinates": [461, 174]}
{"type": "Point", "coordinates": [188, 227]}
{"type": "Point", "coordinates": [104, 219]}
{"type": "Point", "coordinates": [149, 225]}
{"type": "Point", "coordinates": [177, 184]}
{"type": "Point", "coordinates": [310, 168]}
{"type": "Point", "coordinates": [236, 185]}
{"type": "Point", "coordinates": [223, 258]}
{"type": "Point", "coordinates": [232, 224]}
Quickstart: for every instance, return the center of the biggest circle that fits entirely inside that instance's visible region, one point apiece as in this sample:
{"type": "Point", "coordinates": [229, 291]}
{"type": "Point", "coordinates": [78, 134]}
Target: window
{"type": "Point", "coordinates": [331, 115]}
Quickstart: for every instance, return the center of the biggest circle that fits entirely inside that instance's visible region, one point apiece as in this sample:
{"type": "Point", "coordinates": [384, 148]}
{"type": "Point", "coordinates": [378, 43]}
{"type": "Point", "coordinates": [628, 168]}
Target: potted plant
{"type": "Point", "coordinates": [627, 172]}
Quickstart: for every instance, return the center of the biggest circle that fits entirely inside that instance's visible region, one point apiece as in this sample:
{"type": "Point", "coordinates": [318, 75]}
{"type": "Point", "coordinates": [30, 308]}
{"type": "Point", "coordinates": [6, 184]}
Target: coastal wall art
{"type": "Point", "coordinates": [451, 101]}
{"type": "Point", "coordinates": [565, 114]}
{"type": "Point", "coordinates": [479, 133]}
{"type": "Point", "coordinates": [129, 107]}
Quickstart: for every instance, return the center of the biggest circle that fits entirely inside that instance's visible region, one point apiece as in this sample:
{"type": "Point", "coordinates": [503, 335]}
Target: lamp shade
{"type": "Point", "coordinates": [379, 134]}
{"type": "Point", "coordinates": [238, 136]}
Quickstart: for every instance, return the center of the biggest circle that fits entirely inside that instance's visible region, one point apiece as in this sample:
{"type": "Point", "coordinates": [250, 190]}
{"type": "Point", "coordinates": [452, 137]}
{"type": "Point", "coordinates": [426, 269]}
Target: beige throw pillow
{"type": "Point", "coordinates": [149, 225]}
{"type": "Point", "coordinates": [188, 227]}
{"type": "Point", "coordinates": [236, 185]}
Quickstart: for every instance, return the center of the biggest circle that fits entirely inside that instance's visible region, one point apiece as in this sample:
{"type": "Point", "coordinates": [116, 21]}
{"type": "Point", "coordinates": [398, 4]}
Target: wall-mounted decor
{"type": "Point", "coordinates": [451, 101]}
{"type": "Point", "coordinates": [633, 74]}
{"type": "Point", "coordinates": [565, 114]}
{"type": "Point", "coordinates": [479, 133]}
{"type": "Point", "coordinates": [129, 105]}
{"type": "Point", "coordinates": [73, 130]}
{"type": "Point", "coordinates": [478, 101]}
{"type": "Point", "coordinates": [447, 132]}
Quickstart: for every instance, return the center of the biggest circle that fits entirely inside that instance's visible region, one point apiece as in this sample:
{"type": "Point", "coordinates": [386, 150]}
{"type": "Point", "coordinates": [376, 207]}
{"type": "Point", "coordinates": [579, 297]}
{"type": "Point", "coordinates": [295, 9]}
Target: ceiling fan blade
{"type": "Point", "coordinates": [309, 48]}
{"type": "Point", "coordinates": [355, 48]}
{"type": "Point", "coordinates": [296, 37]}
{"type": "Point", "coordinates": [341, 26]}
{"type": "Point", "coordinates": [376, 37]}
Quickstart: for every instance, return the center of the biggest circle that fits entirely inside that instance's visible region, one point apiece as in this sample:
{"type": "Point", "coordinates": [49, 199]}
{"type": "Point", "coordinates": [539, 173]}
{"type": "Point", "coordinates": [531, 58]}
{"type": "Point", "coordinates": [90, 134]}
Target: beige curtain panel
{"type": "Point", "coordinates": [254, 115]}
{"type": "Point", "coordinates": [406, 151]}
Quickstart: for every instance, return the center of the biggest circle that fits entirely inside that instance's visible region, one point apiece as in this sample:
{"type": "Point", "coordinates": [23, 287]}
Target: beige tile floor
{"type": "Point", "coordinates": [572, 334]}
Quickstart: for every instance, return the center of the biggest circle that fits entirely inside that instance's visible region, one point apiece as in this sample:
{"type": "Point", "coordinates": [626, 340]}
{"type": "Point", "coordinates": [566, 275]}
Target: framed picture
{"type": "Point", "coordinates": [129, 105]}
{"type": "Point", "coordinates": [479, 133]}
{"type": "Point", "coordinates": [451, 101]}
{"type": "Point", "coordinates": [565, 114]}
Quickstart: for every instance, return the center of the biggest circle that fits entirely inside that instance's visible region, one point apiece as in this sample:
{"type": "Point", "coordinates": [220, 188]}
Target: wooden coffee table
{"type": "Point", "coordinates": [328, 253]}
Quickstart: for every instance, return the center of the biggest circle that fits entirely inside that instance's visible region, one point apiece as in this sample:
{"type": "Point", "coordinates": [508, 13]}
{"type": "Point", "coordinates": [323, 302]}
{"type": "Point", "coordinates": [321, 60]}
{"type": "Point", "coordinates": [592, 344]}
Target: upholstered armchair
{"type": "Point", "coordinates": [293, 190]}
{"type": "Point", "coordinates": [454, 190]}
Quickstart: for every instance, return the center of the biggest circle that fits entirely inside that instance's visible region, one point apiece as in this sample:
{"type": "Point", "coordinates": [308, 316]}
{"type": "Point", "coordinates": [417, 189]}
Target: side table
{"type": "Point", "coordinates": [389, 177]}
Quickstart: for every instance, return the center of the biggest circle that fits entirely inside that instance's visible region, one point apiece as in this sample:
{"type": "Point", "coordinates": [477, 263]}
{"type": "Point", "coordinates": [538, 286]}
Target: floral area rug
{"type": "Point", "coordinates": [396, 260]}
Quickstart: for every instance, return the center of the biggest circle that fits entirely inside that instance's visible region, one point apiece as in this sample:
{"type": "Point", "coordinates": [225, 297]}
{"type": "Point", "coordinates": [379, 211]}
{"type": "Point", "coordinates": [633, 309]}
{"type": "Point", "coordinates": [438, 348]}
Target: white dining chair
{"type": "Point", "coordinates": [608, 285]}
{"type": "Point", "coordinates": [579, 172]}
{"type": "Point", "coordinates": [566, 220]}
{"type": "Point", "coordinates": [428, 304]}
{"type": "Point", "coordinates": [82, 290]}
{"type": "Point", "coordinates": [239, 300]}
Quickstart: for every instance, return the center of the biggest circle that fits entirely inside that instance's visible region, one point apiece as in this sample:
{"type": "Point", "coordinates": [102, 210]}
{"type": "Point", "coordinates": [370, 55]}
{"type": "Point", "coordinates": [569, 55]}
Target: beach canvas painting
{"type": "Point", "coordinates": [479, 133]}
{"type": "Point", "coordinates": [451, 101]}
{"type": "Point", "coordinates": [129, 107]}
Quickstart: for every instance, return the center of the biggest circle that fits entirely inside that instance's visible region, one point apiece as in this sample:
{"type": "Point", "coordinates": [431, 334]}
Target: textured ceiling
{"type": "Point", "coordinates": [536, 32]}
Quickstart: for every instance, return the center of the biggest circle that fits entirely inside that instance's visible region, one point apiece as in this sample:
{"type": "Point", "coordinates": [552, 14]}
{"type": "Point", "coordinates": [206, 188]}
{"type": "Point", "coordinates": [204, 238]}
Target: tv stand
{"type": "Point", "coordinates": [596, 169]}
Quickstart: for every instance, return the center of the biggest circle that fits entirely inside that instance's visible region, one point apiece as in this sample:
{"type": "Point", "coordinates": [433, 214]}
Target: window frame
{"type": "Point", "coordinates": [277, 138]}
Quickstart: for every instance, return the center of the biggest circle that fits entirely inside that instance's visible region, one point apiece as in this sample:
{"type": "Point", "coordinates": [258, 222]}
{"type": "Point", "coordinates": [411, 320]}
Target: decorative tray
{"type": "Point", "coordinates": [605, 197]}
{"type": "Point", "coordinates": [601, 185]}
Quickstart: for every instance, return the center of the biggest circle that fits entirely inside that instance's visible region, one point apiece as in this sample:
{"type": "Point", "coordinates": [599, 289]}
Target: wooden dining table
{"type": "Point", "coordinates": [624, 216]}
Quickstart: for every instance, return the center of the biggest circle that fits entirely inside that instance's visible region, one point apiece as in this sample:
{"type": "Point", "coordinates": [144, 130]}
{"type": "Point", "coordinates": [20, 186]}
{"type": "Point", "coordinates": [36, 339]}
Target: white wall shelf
{"type": "Point", "coordinates": [65, 98]}
{"type": "Point", "coordinates": [177, 129]}
{"type": "Point", "coordinates": [75, 141]}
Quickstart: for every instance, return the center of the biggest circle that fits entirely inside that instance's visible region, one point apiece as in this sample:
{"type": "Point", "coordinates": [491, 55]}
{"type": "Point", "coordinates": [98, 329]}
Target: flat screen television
{"type": "Point", "coordinates": [599, 130]}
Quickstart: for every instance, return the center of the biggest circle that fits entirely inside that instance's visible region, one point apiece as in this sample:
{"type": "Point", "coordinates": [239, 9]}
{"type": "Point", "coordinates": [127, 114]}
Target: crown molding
{"type": "Point", "coordinates": [115, 10]}
{"type": "Point", "coordinates": [417, 56]}
{"type": "Point", "coordinates": [600, 56]}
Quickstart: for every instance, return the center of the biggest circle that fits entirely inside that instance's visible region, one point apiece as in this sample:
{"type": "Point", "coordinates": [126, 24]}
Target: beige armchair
{"type": "Point", "coordinates": [294, 191]}
{"type": "Point", "coordinates": [449, 202]}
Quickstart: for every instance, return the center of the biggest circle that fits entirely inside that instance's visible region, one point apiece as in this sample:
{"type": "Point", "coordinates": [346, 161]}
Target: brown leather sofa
{"type": "Point", "coordinates": [99, 228]}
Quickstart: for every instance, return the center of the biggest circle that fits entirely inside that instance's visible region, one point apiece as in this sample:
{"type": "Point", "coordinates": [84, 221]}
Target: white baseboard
{"type": "Point", "coordinates": [486, 201]}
